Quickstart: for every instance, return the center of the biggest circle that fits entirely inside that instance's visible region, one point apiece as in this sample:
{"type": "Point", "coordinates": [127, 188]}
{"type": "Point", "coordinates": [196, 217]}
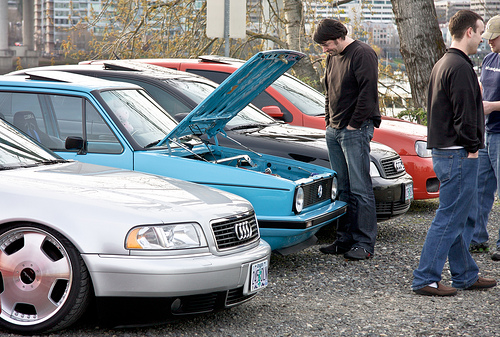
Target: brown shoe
{"type": "Point", "coordinates": [441, 290]}
{"type": "Point", "coordinates": [483, 283]}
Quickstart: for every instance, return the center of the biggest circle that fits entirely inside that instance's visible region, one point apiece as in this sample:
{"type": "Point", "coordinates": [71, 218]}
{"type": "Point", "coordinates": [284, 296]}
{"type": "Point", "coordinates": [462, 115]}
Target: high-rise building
{"type": "Point", "coordinates": [446, 8]}
{"type": "Point", "coordinates": [485, 8]}
{"type": "Point", "coordinates": [366, 10]}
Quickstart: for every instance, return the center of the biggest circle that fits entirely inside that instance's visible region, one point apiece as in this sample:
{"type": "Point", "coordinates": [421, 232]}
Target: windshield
{"type": "Point", "coordinates": [308, 100]}
{"type": "Point", "coordinates": [17, 150]}
{"type": "Point", "coordinates": [198, 91]}
{"type": "Point", "coordinates": [140, 116]}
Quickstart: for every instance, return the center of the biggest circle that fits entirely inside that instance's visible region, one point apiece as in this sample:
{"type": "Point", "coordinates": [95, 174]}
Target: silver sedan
{"type": "Point", "coordinates": [70, 231]}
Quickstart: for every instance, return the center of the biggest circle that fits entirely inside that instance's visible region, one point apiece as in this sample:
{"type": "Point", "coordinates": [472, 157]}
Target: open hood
{"type": "Point", "coordinates": [237, 91]}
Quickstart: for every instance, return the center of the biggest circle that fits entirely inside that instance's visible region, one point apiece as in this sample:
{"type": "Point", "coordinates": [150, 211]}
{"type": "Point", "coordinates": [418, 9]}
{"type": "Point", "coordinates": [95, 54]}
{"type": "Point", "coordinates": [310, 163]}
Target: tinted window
{"type": "Point", "coordinates": [262, 100]}
{"type": "Point", "coordinates": [50, 119]}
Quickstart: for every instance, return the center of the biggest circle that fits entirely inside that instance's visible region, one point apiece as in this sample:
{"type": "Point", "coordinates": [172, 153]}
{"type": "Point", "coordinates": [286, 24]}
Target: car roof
{"type": "Point", "coordinates": [124, 66]}
{"type": "Point", "coordinates": [61, 80]}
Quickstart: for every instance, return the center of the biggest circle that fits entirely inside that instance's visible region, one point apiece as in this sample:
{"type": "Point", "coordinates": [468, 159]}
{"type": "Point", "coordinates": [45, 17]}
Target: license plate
{"type": "Point", "coordinates": [258, 276]}
{"type": "Point", "coordinates": [408, 192]}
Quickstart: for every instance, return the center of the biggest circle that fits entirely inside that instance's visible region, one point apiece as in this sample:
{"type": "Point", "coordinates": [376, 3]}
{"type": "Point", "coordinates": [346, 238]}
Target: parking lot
{"type": "Point", "coordinates": [311, 294]}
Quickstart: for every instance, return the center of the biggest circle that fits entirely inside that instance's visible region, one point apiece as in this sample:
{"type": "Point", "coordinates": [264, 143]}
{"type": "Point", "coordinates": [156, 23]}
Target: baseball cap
{"type": "Point", "coordinates": [492, 30]}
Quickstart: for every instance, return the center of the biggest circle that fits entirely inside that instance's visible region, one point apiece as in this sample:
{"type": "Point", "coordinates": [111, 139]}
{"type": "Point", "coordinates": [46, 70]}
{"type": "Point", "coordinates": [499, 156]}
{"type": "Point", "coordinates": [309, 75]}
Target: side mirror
{"type": "Point", "coordinates": [75, 143]}
{"type": "Point", "coordinates": [273, 111]}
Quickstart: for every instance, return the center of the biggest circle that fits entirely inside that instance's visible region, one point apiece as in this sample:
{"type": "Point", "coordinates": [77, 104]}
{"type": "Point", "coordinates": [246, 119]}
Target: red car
{"type": "Point", "coordinates": [296, 103]}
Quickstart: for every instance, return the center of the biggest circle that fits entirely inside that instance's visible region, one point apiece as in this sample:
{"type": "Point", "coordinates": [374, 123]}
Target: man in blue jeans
{"type": "Point", "coordinates": [351, 113]}
{"type": "Point", "coordinates": [455, 134]}
{"type": "Point", "coordinates": [489, 157]}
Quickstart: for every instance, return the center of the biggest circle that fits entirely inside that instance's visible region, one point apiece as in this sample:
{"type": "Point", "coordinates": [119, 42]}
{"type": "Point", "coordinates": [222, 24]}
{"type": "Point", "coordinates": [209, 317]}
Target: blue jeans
{"type": "Point", "coordinates": [349, 152]}
{"type": "Point", "coordinates": [450, 232]}
{"type": "Point", "coordinates": [487, 184]}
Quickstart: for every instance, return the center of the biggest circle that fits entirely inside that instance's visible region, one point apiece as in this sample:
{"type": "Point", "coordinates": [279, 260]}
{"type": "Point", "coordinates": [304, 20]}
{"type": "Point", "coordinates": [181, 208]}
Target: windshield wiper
{"type": "Point", "coordinates": [53, 161]}
{"type": "Point", "coordinates": [152, 144]}
{"type": "Point", "coordinates": [249, 126]}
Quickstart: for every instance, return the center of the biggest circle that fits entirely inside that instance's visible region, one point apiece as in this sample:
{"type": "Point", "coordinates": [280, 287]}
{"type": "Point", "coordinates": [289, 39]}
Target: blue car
{"type": "Point", "coordinates": [120, 125]}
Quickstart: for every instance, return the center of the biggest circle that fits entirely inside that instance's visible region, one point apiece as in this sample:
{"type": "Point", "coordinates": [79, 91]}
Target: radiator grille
{"type": "Point", "coordinates": [317, 191]}
{"type": "Point", "coordinates": [226, 231]}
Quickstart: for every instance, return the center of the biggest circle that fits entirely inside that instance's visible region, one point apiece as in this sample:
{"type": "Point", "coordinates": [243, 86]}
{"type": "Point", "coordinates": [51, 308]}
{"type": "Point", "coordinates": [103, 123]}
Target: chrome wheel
{"type": "Point", "coordinates": [41, 276]}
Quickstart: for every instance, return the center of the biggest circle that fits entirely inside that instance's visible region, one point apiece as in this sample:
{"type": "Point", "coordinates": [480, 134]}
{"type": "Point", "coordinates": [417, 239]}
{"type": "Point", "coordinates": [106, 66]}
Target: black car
{"type": "Point", "coordinates": [179, 92]}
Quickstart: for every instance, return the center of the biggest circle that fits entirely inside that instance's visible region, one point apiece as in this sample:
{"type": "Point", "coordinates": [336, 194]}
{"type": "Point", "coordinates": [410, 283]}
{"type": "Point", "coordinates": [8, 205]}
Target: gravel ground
{"type": "Point", "coordinates": [311, 294]}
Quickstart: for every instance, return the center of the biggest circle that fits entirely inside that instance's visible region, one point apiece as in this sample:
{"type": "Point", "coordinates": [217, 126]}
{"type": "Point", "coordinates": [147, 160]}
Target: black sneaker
{"type": "Point", "coordinates": [357, 253]}
{"type": "Point", "coordinates": [496, 255]}
{"type": "Point", "coordinates": [479, 247]}
{"type": "Point", "coordinates": [333, 249]}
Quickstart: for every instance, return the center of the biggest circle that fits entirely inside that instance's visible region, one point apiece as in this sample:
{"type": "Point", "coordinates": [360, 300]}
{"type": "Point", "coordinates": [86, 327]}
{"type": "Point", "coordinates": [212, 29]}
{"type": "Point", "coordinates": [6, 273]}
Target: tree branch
{"type": "Point", "coordinates": [267, 37]}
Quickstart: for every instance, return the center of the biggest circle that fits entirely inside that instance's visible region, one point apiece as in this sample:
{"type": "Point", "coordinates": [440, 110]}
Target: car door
{"type": "Point", "coordinates": [51, 118]}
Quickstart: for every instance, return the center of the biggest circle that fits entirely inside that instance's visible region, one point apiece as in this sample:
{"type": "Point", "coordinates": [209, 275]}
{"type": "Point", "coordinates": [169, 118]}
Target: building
{"type": "Point", "coordinates": [371, 21]}
{"type": "Point", "coordinates": [446, 8]}
{"type": "Point", "coordinates": [485, 8]}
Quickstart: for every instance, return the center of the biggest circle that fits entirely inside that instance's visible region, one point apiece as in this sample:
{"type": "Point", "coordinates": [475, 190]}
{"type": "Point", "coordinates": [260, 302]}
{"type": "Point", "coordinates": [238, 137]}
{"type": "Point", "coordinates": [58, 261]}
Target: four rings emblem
{"type": "Point", "coordinates": [243, 230]}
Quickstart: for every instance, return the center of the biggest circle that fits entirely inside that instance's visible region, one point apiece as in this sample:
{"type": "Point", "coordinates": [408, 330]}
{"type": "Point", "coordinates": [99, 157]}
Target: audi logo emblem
{"type": "Point", "coordinates": [243, 230]}
{"type": "Point", "coordinates": [320, 191]}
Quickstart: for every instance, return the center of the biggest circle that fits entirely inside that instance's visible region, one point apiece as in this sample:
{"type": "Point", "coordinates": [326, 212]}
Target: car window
{"type": "Point", "coordinates": [306, 99]}
{"type": "Point", "coordinates": [198, 91]}
{"type": "Point", "coordinates": [50, 119]}
{"type": "Point", "coordinates": [17, 150]}
{"type": "Point", "coordinates": [167, 100]}
{"type": "Point", "coordinates": [10, 103]}
{"type": "Point", "coordinates": [262, 100]}
{"type": "Point", "coordinates": [140, 116]}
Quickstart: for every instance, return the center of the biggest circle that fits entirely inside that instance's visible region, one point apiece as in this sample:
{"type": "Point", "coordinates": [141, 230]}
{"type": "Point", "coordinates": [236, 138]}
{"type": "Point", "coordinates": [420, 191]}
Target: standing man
{"type": "Point", "coordinates": [351, 112]}
{"type": "Point", "coordinates": [489, 157]}
{"type": "Point", "coordinates": [455, 134]}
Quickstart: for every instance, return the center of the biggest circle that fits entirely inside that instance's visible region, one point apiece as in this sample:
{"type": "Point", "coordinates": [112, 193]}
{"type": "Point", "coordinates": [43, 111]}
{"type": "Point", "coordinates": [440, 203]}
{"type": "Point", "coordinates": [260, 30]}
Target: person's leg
{"type": "Point", "coordinates": [338, 164]}
{"type": "Point", "coordinates": [356, 148]}
{"type": "Point", "coordinates": [463, 268]}
{"type": "Point", "coordinates": [486, 187]}
{"type": "Point", "coordinates": [450, 218]}
{"type": "Point", "coordinates": [493, 141]}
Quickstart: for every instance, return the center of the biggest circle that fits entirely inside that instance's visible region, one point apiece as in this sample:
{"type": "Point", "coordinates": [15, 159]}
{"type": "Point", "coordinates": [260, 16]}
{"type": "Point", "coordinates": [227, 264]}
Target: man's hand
{"type": "Point", "coordinates": [473, 155]}
{"type": "Point", "coordinates": [489, 107]}
{"type": "Point", "coordinates": [350, 128]}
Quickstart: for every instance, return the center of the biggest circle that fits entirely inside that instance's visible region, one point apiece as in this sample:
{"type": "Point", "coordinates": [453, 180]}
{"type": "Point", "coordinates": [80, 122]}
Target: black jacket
{"type": "Point", "coordinates": [454, 104]}
{"type": "Point", "coordinates": [351, 80]}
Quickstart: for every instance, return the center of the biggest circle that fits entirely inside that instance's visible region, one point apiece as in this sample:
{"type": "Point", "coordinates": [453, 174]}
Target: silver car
{"type": "Point", "coordinates": [70, 231]}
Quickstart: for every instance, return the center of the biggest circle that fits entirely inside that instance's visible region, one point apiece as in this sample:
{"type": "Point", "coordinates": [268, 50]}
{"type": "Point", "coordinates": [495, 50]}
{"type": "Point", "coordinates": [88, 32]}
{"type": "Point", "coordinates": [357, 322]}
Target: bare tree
{"type": "Point", "coordinates": [176, 29]}
{"type": "Point", "coordinates": [297, 39]}
{"type": "Point", "coordinates": [421, 43]}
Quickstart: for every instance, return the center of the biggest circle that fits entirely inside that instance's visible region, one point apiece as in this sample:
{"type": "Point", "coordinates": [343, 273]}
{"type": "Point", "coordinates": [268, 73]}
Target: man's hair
{"type": "Point", "coordinates": [461, 21]}
{"type": "Point", "coordinates": [329, 29]}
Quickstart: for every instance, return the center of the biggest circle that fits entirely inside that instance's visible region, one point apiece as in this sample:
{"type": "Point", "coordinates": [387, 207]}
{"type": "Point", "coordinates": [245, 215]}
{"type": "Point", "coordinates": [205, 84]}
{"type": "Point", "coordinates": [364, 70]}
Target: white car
{"type": "Point", "coordinates": [70, 231]}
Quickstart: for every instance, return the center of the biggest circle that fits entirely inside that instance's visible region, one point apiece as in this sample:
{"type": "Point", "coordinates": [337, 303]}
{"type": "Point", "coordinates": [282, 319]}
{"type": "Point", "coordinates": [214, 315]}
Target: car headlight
{"type": "Point", "coordinates": [422, 150]}
{"type": "Point", "coordinates": [335, 189]}
{"type": "Point", "coordinates": [374, 172]}
{"type": "Point", "coordinates": [177, 236]}
{"type": "Point", "coordinates": [299, 199]}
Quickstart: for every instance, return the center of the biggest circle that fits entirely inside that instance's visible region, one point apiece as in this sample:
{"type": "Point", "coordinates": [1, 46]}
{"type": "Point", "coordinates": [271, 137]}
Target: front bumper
{"type": "Point", "coordinates": [172, 276]}
{"type": "Point", "coordinates": [391, 196]}
{"type": "Point", "coordinates": [287, 231]}
{"type": "Point", "coordinates": [425, 182]}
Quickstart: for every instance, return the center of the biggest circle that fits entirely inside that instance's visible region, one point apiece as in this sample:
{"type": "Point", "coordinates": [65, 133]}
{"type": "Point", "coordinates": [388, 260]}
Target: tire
{"type": "Point", "coordinates": [45, 285]}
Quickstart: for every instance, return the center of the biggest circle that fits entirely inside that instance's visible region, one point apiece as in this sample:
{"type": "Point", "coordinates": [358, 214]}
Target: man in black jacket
{"type": "Point", "coordinates": [455, 134]}
{"type": "Point", "coordinates": [351, 113]}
